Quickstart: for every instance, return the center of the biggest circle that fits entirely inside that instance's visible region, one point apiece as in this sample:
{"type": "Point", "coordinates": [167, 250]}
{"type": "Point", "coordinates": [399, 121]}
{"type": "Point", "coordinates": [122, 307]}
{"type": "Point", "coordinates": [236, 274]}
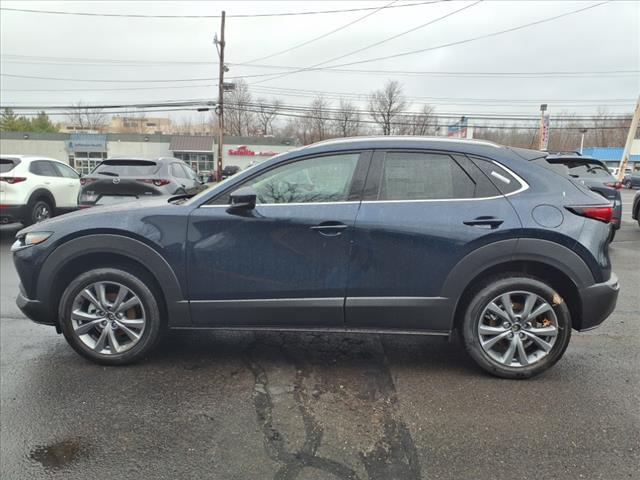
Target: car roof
{"type": "Point", "coordinates": [29, 157]}
{"type": "Point", "coordinates": [470, 146]}
{"type": "Point", "coordinates": [145, 159]}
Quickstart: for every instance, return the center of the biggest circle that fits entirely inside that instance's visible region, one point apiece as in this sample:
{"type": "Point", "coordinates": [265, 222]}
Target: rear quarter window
{"type": "Point", "coordinates": [8, 164]}
{"type": "Point", "coordinates": [126, 168]}
{"type": "Point", "coordinates": [499, 176]}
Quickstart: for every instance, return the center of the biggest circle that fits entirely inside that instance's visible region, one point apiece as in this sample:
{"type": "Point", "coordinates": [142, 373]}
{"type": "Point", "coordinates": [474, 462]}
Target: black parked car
{"type": "Point", "coordinates": [117, 180]}
{"type": "Point", "coordinates": [635, 209]}
{"type": "Point", "coordinates": [632, 180]}
{"type": "Point", "coordinates": [402, 235]}
{"type": "Point", "coordinates": [229, 171]}
{"type": "Point", "coordinates": [595, 175]}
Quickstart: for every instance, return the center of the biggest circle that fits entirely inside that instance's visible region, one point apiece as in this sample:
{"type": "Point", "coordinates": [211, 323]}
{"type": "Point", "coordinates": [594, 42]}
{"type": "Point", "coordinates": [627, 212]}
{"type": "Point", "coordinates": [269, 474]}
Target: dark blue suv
{"type": "Point", "coordinates": [396, 234]}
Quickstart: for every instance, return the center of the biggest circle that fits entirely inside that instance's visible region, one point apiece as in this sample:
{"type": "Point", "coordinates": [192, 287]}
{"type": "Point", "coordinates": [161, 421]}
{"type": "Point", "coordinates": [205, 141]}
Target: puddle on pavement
{"type": "Point", "coordinates": [57, 455]}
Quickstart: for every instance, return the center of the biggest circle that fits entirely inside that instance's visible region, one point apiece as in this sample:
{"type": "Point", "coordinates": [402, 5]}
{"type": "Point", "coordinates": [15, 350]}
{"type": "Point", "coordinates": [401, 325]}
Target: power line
{"type": "Point", "coordinates": [376, 43]}
{"type": "Point", "coordinates": [298, 109]}
{"type": "Point", "coordinates": [253, 15]}
{"type": "Point", "coordinates": [460, 42]}
{"type": "Point", "coordinates": [498, 127]}
{"type": "Point", "coordinates": [36, 77]}
{"type": "Point", "coordinates": [324, 35]}
{"type": "Point", "coordinates": [106, 62]}
{"type": "Point", "coordinates": [104, 89]}
{"type": "Point", "coordinates": [532, 74]}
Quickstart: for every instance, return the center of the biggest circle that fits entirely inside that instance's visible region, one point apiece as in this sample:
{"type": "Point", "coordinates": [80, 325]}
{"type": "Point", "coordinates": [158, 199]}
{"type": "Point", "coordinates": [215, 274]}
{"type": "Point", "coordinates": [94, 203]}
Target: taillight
{"type": "Point", "coordinates": [87, 181]}
{"type": "Point", "coordinates": [603, 213]}
{"type": "Point", "coordinates": [12, 180]}
{"type": "Point", "coordinates": [157, 182]}
{"type": "Point", "coordinates": [616, 185]}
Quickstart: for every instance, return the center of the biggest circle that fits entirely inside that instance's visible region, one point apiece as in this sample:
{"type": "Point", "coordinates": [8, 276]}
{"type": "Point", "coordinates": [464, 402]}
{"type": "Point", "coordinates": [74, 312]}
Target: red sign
{"type": "Point", "coordinates": [244, 150]}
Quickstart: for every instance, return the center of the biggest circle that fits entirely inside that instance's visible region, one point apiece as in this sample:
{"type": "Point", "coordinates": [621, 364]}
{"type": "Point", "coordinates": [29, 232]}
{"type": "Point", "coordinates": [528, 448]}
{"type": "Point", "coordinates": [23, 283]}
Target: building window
{"type": "Point", "coordinates": [199, 162]}
{"type": "Point", "coordinates": [85, 162]}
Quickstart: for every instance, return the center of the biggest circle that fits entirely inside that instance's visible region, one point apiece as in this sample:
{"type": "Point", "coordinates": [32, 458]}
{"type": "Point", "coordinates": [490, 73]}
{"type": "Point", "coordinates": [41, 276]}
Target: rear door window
{"type": "Point", "coordinates": [43, 168]}
{"type": "Point", "coordinates": [65, 171]}
{"type": "Point", "coordinates": [126, 168]}
{"type": "Point", "coordinates": [177, 171]}
{"type": "Point", "coordinates": [424, 176]}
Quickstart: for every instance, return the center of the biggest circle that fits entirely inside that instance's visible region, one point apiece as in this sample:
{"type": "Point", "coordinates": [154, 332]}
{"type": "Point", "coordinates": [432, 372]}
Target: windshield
{"type": "Point", "coordinates": [126, 168]}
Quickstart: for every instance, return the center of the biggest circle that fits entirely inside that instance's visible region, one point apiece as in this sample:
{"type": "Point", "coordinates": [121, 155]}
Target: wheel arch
{"type": "Point", "coordinates": [108, 250]}
{"type": "Point", "coordinates": [43, 193]}
{"type": "Point", "coordinates": [555, 264]}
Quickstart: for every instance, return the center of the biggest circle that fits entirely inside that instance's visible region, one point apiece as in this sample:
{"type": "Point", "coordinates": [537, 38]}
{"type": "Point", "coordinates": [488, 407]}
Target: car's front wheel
{"type": "Point", "coordinates": [110, 316]}
{"type": "Point", "coordinates": [516, 326]}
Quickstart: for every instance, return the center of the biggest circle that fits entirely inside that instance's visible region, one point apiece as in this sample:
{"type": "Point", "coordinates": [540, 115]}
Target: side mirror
{"type": "Point", "coordinates": [243, 199]}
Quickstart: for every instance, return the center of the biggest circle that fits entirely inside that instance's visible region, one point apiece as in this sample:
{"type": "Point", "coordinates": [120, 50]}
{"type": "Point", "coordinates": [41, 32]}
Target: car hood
{"type": "Point", "coordinates": [126, 207]}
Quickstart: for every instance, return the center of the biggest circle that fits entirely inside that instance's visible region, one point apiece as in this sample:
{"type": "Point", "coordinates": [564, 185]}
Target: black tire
{"type": "Point", "coordinates": [135, 282]}
{"type": "Point", "coordinates": [495, 287]}
{"type": "Point", "coordinates": [612, 234]}
{"type": "Point", "coordinates": [628, 184]}
{"type": "Point", "coordinates": [34, 210]}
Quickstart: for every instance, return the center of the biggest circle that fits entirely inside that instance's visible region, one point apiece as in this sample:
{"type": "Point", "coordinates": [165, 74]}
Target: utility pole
{"type": "Point", "coordinates": [630, 136]}
{"type": "Point", "coordinates": [542, 143]}
{"type": "Point", "coordinates": [220, 109]}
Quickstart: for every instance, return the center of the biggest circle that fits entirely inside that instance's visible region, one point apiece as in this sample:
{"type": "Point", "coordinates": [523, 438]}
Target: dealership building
{"type": "Point", "coordinates": [83, 151]}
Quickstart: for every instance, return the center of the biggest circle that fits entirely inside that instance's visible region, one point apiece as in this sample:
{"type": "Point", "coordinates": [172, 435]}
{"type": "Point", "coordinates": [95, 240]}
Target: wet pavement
{"type": "Point", "coordinates": [241, 405]}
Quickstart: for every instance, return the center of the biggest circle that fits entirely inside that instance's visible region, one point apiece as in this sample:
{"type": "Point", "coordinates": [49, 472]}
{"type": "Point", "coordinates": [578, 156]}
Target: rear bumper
{"type": "Point", "coordinates": [598, 301]}
{"type": "Point", "coordinates": [12, 213]}
{"type": "Point", "coordinates": [34, 309]}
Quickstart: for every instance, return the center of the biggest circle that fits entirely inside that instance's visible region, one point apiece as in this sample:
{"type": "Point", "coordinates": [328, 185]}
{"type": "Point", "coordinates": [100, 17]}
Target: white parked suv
{"type": "Point", "coordinates": [34, 188]}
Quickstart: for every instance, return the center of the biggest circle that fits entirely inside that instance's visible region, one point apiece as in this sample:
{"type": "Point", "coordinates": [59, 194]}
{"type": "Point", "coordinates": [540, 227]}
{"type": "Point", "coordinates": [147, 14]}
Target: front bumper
{"type": "Point", "coordinates": [34, 309]}
{"type": "Point", "coordinates": [598, 301]}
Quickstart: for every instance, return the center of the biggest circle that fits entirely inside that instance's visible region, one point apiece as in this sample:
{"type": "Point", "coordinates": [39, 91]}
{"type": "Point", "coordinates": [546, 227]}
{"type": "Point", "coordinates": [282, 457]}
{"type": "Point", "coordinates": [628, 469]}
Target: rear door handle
{"type": "Point", "coordinates": [485, 222]}
{"type": "Point", "coordinates": [329, 229]}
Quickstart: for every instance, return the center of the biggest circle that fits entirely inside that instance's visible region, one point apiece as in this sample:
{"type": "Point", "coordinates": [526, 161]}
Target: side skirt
{"type": "Point", "coordinates": [370, 331]}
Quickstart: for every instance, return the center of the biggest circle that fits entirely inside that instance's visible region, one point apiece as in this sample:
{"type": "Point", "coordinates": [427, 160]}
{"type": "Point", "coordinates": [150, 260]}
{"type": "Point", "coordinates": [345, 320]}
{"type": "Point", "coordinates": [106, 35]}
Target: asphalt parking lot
{"type": "Point", "coordinates": [212, 405]}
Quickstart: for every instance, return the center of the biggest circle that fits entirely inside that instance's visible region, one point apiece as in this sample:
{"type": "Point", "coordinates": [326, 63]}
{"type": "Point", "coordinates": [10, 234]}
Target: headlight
{"type": "Point", "coordinates": [31, 238]}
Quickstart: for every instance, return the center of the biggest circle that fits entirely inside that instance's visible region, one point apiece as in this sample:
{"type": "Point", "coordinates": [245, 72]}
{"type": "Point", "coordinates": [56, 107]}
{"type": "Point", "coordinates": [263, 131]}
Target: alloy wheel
{"type": "Point", "coordinates": [517, 329]}
{"type": "Point", "coordinates": [108, 317]}
{"type": "Point", "coordinates": [41, 212]}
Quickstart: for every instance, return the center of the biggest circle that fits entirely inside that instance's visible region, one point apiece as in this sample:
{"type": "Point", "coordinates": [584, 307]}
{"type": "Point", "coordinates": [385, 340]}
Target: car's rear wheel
{"type": "Point", "coordinates": [110, 316]}
{"type": "Point", "coordinates": [516, 326]}
{"type": "Point", "coordinates": [628, 184]}
{"type": "Point", "coordinates": [38, 211]}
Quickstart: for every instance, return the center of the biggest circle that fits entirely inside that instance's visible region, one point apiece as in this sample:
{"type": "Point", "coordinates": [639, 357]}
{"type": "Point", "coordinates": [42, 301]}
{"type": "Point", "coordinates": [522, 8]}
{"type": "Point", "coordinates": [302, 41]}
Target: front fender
{"type": "Point", "coordinates": [177, 306]}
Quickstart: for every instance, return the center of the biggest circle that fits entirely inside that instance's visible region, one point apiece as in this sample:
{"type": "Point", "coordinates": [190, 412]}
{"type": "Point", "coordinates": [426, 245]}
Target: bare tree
{"type": "Point", "coordinates": [419, 123]}
{"type": "Point", "coordinates": [266, 113]}
{"type": "Point", "coordinates": [346, 121]}
{"type": "Point", "coordinates": [318, 118]}
{"type": "Point", "coordinates": [386, 104]}
{"type": "Point", "coordinates": [87, 117]}
{"type": "Point", "coordinates": [238, 117]}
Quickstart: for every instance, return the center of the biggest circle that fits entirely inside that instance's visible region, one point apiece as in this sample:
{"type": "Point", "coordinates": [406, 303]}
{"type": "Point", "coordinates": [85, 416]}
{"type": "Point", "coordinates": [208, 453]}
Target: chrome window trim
{"type": "Point", "coordinates": [523, 186]}
{"type": "Point", "coordinates": [298, 204]}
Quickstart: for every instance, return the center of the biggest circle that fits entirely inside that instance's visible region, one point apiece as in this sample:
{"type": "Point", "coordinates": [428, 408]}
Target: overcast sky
{"type": "Point", "coordinates": [604, 38]}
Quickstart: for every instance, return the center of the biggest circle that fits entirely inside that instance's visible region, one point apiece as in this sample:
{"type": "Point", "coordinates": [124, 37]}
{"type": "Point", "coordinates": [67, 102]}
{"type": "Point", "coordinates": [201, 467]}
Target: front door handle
{"type": "Point", "coordinates": [485, 222]}
{"type": "Point", "coordinates": [329, 229]}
